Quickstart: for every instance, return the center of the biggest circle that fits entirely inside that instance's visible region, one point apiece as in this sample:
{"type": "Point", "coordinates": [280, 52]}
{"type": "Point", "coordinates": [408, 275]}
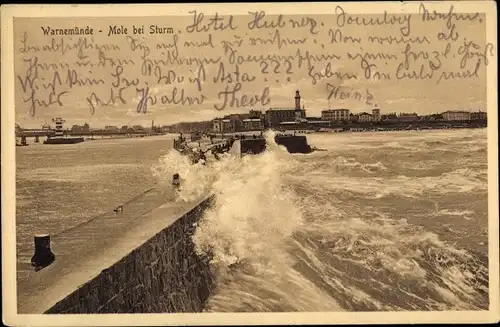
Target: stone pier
{"type": "Point", "coordinates": [124, 263]}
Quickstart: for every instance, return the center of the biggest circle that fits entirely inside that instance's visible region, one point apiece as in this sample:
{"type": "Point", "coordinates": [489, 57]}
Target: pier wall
{"type": "Point", "coordinates": [293, 143]}
{"type": "Point", "coordinates": [164, 274]}
{"type": "Point", "coordinates": [252, 145]}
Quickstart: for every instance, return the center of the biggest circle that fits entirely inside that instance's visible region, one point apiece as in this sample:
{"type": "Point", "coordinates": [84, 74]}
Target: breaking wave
{"type": "Point", "coordinates": [287, 234]}
{"type": "Point", "coordinates": [352, 164]}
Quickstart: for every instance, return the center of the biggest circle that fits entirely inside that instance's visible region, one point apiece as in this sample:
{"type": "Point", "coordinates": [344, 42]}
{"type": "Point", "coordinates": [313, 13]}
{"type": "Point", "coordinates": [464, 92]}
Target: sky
{"type": "Point", "coordinates": [67, 97]}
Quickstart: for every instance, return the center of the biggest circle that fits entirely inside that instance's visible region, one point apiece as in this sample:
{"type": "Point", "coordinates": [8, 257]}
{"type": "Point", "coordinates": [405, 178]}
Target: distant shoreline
{"type": "Point", "coordinates": [393, 129]}
{"type": "Point", "coordinates": [383, 125]}
{"type": "Point", "coordinates": [356, 128]}
{"type": "Point", "coordinates": [101, 138]}
{"type": "Point", "coordinates": [348, 126]}
{"type": "Point", "coordinates": [305, 128]}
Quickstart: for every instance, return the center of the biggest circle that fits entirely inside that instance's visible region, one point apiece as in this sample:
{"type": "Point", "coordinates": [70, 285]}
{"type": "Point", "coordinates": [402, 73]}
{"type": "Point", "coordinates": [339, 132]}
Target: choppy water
{"type": "Point", "coordinates": [380, 221]}
{"type": "Point", "coordinates": [60, 186]}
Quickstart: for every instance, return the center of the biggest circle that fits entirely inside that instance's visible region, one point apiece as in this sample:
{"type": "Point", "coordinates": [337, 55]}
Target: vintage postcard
{"type": "Point", "coordinates": [250, 163]}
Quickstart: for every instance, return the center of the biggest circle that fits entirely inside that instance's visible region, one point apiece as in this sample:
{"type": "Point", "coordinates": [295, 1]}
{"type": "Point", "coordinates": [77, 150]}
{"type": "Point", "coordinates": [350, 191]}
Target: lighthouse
{"type": "Point", "coordinates": [297, 100]}
{"type": "Point", "coordinates": [59, 129]}
{"type": "Point", "coordinates": [59, 133]}
{"type": "Point", "coordinates": [300, 113]}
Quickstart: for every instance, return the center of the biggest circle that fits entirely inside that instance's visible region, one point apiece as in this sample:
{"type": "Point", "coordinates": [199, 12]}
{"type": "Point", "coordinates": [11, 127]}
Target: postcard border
{"type": "Point", "coordinates": [10, 316]}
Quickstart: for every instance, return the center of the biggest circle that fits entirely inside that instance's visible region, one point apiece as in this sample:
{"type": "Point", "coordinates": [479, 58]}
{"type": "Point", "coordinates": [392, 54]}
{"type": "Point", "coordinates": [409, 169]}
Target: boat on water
{"type": "Point", "coordinates": [63, 140]}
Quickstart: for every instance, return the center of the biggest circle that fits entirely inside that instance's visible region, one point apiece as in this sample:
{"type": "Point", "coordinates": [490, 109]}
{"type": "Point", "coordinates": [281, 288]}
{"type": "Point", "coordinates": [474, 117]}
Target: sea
{"type": "Point", "coordinates": [377, 221]}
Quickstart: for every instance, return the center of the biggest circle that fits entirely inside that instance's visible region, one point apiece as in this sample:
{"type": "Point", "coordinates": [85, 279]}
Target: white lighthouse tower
{"type": "Point", "coordinates": [59, 133]}
{"type": "Point", "coordinates": [59, 129]}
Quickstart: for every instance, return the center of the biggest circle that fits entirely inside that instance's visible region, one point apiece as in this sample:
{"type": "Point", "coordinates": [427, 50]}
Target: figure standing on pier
{"type": "Point", "coordinates": [176, 181]}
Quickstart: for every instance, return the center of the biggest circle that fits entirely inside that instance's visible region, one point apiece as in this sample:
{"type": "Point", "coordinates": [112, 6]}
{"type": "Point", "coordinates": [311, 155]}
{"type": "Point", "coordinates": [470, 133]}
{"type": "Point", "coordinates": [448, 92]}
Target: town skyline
{"type": "Point", "coordinates": [209, 115]}
{"type": "Point", "coordinates": [325, 115]}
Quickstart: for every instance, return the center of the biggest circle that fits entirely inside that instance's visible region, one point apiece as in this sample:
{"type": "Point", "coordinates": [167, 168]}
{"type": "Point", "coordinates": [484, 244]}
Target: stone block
{"type": "Point", "coordinates": [72, 300]}
{"type": "Point", "coordinates": [130, 268]}
{"type": "Point", "coordinates": [160, 240]}
{"type": "Point", "coordinates": [170, 256]}
{"type": "Point", "coordinates": [180, 257]}
{"type": "Point", "coordinates": [147, 281]}
{"type": "Point", "coordinates": [164, 238]}
{"type": "Point", "coordinates": [184, 234]}
{"type": "Point", "coordinates": [165, 275]}
{"type": "Point", "coordinates": [137, 294]}
{"type": "Point", "coordinates": [139, 274]}
{"type": "Point", "coordinates": [154, 286]}
{"type": "Point", "coordinates": [155, 264]}
{"type": "Point", "coordinates": [187, 281]}
{"type": "Point", "coordinates": [188, 227]}
{"type": "Point", "coordinates": [128, 302]}
{"type": "Point", "coordinates": [139, 307]}
{"type": "Point", "coordinates": [189, 242]}
{"type": "Point", "coordinates": [172, 231]}
{"type": "Point", "coordinates": [73, 309]}
{"type": "Point", "coordinates": [174, 302]}
{"type": "Point", "coordinates": [161, 284]}
{"type": "Point", "coordinates": [169, 237]}
{"type": "Point", "coordinates": [92, 301]}
{"type": "Point", "coordinates": [186, 302]}
{"type": "Point", "coordinates": [104, 308]}
{"type": "Point", "coordinates": [174, 255]}
{"type": "Point", "coordinates": [111, 281]}
{"type": "Point", "coordinates": [179, 230]}
{"type": "Point", "coordinates": [118, 302]}
{"type": "Point", "coordinates": [60, 306]}
{"type": "Point", "coordinates": [185, 265]}
{"type": "Point", "coordinates": [80, 298]}
{"type": "Point", "coordinates": [147, 297]}
{"type": "Point", "coordinates": [162, 303]}
{"type": "Point", "coordinates": [154, 238]}
{"type": "Point", "coordinates": [120, 272]}
{"type": "Point", "coordinates": [172, 284]}
{"type": "Point", "coordinates": [144, 256]}
{"type": "Point", "coordinates": [106, 285]}
{"type": "Point", "coordinates": [150, 252]}
{"type": "Point", "coordinates": [163, 262]}
{"type": "Point", "coordinates": [153, 251]}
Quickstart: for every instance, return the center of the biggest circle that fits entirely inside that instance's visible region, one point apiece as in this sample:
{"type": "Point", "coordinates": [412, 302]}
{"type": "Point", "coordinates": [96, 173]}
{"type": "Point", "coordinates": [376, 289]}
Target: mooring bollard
{"type": "Point", "coordinates": [43, 255]}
